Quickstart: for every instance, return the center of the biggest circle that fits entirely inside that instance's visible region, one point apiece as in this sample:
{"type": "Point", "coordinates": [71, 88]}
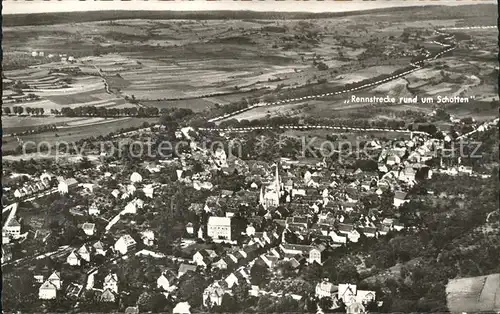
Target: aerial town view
{"type": "Point", "coordinates": [250, 161]}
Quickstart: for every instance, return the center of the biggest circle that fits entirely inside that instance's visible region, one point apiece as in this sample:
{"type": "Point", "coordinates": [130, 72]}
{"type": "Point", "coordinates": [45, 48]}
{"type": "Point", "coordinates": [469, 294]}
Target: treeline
{"type": "Point", "coordinates": [312, 121]}
{"type": "Point", "coordinates": [20, 110]}
{"type": "Point", "coordinates": [93, 111]}
{"type": "Point", "coordinates": [79, 17]}
{"type": "Point", "coordinates": [37, 130]}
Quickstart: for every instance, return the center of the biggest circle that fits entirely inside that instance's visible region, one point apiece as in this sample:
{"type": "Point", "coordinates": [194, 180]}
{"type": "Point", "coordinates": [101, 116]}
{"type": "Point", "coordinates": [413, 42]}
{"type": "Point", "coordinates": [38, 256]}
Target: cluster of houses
{"type": "Point", "coordinates": [305, 211]}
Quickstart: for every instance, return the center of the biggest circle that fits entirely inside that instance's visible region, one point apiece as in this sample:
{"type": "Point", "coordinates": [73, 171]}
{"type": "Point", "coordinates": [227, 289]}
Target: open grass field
{"type": "Point", "coordinates": [78, 129]}
{"type": "Point", "coordinates": [474, 294]}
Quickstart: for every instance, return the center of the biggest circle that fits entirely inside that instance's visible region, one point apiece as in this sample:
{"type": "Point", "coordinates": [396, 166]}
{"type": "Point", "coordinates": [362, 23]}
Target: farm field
{"type": "Point", "coordinates": [19, 124]}
{"type": "Point", "coordinates": [474, 294]}
{"type": "Point", "coordinates": [79, 129]}
{"type": "Point", "coordinates": [201, 64]}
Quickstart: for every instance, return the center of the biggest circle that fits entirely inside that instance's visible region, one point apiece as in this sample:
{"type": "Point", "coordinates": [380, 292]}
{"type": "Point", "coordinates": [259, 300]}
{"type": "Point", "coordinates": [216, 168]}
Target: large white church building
{"type": "Point", "coordinates": [270, 196]}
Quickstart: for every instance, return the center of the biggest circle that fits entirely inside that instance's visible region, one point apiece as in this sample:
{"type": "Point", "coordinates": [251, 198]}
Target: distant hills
{"type": "Point", "coordinates": [439, 11]}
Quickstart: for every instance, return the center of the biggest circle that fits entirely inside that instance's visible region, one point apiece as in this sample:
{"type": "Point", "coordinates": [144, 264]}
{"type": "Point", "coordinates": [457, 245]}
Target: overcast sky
{"type": "Point", "coordinates": [37, 6]}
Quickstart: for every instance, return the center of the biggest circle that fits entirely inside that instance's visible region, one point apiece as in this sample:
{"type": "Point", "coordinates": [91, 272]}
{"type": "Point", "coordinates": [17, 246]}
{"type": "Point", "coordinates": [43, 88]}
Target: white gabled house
{"type": "Point", "coordinates": [124, 244]}
{"type": "Point", "coordinates": [111, 283]}
{"type": "Point", "coordinates": [73, 259]}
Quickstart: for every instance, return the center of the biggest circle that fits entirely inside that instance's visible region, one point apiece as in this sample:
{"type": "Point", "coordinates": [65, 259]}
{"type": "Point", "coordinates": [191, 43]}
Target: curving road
{"type": "Point", "coordinates": [447, 43]}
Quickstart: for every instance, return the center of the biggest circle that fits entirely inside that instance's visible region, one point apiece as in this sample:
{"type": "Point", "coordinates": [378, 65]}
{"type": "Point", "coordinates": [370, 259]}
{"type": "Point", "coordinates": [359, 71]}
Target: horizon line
{"type": "Point", "coordinates": [319, 6]}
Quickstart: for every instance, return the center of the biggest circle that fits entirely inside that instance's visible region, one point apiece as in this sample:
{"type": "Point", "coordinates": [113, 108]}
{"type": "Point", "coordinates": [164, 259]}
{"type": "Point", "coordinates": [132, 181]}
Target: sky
{"type": "Point", "coordinates": [39, 6]}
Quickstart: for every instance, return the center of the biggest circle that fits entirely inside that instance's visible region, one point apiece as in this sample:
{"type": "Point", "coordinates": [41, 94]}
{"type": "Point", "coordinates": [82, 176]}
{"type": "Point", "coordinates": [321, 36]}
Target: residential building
{"type": "Point", "coordinates": [135, 177]}
{"type": "Point", "coordinates": [204, 257]}
{"type": "Point", "coordinates": [108, 296]}
{"type": "Point", "coordinates": [219, 228]}
{"type": "Point", "coordinates": [47, 291]}
{"type": "Point", "coordinates": [55, 279]}
{"type": "Point", "coordinates": [400, 198]}
{"type": "Point", "coordinates": [73, 259]}
{"type": "Point", "coordinates": [350, 294]}
{"type": "Point", "coordinates": [99, 248]}
{"type": "Point", "coordinates": [166, 281]}
{"type": "Point", "coordinates": [124, 244]}
{"type": "Point", "coordinates": [84, 253]}
{"type": "Point", "coordinates": [111, 283]}
{"type": "Point", "coordinates": [317, 254]}
{"type": "Point", "coordinates": [182, 308]}
{"type": "Point", "coordinates": [88, 228]}
{"type": "Point", "coordinates": [213, 294]}
{"type": "Point", "coordinates": [325, 289]}
{"type": "Point", "coordinates": [348, 229]}
{"type": "Point", "coordinates": [11, 229]}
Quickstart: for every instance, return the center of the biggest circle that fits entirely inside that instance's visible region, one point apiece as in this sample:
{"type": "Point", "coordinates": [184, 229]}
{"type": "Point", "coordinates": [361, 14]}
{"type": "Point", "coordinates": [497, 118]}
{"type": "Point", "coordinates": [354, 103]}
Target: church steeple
{"type": "Point", "coordinates": [277, 180]}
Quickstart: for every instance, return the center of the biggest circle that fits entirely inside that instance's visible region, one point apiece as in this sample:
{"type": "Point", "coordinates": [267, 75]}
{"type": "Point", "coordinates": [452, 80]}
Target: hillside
{"type": "Point", "coordinates": [479, 10]}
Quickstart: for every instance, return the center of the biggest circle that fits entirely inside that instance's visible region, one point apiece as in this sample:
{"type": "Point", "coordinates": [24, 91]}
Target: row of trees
{"type": "Point", "coordinates": [21, 110]}
{"type": "Point", "coordinates": [279, 121]}
{"type": "Point", "coordinates": [93, 111]}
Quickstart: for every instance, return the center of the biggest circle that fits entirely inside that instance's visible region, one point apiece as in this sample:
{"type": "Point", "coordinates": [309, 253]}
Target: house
{"type": "Point", "coordinates": [47, 291]}
{"type": "Point", "coordinates": [301, 222]}
{"type": "Point", "coordinates": [84, 253]}
{"type": "Point", "coordinates": [231, 280]}
{"type": "Point", "coordinates": [400, 198]}
{"type": "Point", "coordinates": [369, 232]}
{"type": "Point", "coordinates": [99, 248]}
{"type": "Point", "coordinates": [350, 294]}
{"type": "Point", "coordinates": [124, 244]}
{"type": "Point", "coordinates": [111, 283]}
{"type": "Point", "coordinates": [295, 249]}
{"type": "Point", "coordinates": [130, 208]}
{"type": "Point", "coordinates": [268, 260]}
{"type": "Point", "coordinates": [12, 228]}
{"type": "Point", "coordinates": [213, 294]}
{"type": "Point", "coordinates": [337, 238]}
{"type": "Point", "coordinates": [148, 237]}
{"type": "Point", "coordinates": [317, 254]}
{"type": "Point", "coordinates": [182, 308]}
{"type": "Point", "coordinates": [55, 279]}
{"type": "Point", "coordinates": [64, 185]}
{"type": "Point", "coordinates": [73, 259]}
{"type": "Point", "coordinates": [349, 230]}
{"type": "Point", "coordinates": [135, 177]}
{"type": "Point", "coordinates": [219, 228]}
{"type": "Point", "coordinates": [326, 289]}
{"type": "Point", "coordinates": [148, 190]}
{"type": "Point", "coordinates": [166, 281]}
{"type": "Point", "coordinates": [94, 210]}
{"type": "Point", "coordinates": [189, 228]}
{"type": "Point", "coordinates": [107, 296]}
{"type": "Point", "coordinates": [221, 263]}
{"type": "Point", "coordinates": [184, 268]}
{"type": "Point", "coordinates": [88, 228]}
{"type": "Point", "coordinates": [204, 257]}
{"type": "Point", "coordinates": [18, 193]}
